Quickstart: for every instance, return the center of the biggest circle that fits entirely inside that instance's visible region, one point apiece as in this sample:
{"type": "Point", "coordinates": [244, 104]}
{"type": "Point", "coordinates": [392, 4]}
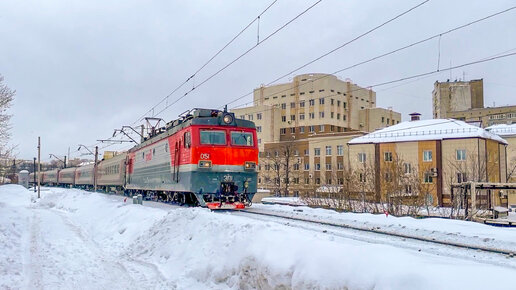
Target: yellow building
{"type": "Point", "coordinates": [314, 104]}
{"type": "Point", "coordinates": [419, 160]}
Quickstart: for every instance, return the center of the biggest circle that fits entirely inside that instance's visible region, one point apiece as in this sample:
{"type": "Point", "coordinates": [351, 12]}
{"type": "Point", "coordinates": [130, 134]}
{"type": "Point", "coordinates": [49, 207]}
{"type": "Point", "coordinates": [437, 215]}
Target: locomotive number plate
{"type": "Point", "coordinates": [205, 156]}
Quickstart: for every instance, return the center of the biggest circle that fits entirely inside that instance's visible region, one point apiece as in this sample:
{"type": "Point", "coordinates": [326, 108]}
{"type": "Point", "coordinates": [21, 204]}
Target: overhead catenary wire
{"type": "Point", "coordinates": [482, 60]}
{"type": "Point", "coordinates": [240, 56]}
{"type": "Point", "coordinates": [207, 62]}
{"type": "Point", "coordinates": [384, 54]}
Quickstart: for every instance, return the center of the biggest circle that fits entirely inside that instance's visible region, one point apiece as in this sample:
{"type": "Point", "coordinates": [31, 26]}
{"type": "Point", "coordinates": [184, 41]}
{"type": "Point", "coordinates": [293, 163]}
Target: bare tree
{"type": "Point", "coordinates": [6, 152]}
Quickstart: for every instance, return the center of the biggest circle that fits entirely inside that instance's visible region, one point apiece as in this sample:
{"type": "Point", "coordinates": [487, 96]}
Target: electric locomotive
{"type": "Point", "coordinates": [206, 158]}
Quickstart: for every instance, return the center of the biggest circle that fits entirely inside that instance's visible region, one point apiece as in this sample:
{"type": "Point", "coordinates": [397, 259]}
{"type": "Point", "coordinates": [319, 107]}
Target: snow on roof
{"type": "Point", "coordinates": [435, 129]}
{"type": "Point", "coordinates": [502, 129]}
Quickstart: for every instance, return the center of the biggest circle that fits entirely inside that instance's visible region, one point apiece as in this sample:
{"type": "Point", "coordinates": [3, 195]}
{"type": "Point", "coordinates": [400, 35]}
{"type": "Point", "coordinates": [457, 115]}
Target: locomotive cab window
{"type": "Point", "coordinates": [209, 137]}
{"type": "Point", "coordinates": [241, 138]}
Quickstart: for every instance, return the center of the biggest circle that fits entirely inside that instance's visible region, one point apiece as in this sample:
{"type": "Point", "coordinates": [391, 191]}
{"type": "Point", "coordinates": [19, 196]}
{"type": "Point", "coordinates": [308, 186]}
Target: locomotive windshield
{"type": "Point", "coordinates": [213, 137]}
{"type": "Point", "coordinates": [242, 138]}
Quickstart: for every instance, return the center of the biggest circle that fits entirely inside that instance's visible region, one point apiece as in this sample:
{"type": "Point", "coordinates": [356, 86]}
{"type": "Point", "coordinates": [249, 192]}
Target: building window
{"type": "Point", "coordinates": [259, 116]}
{"type": "Point", "coordinates": [340, 165]}
{"type": "Point", "coordinates": [332, 127]}
{"type": "Point", "coordinates": [338, 116]}
{"type": "Point", "coordinates": [259, 141]}
{"type": "Point", "coordinates": [332, 115]}
{"type": "Point", "coordinates": [343, 117]}
{"type": "Point", "coordinates": [296, 166]}
{"type": "Point", "coordinates": [338, 103]}
{"type": "Point", "coordinates": [328, 150]}
{"type": "Point", "coordinates": [362, 177]}
{"type": "Point", "coordinates": [311, 102]}
{"type": "Point", "coordinates": [317, 166]}
{"type": "Point", "coordinates": [407, 168]}
{"type": "Point", "coordinates": [361, 157]}
{"type": "Point", "coordinates": [461, 177]}
{"type": "Point", "coordinates": [293, 105]}
{"type": "Point", "coordinates": [387, 156]}
{"type": "Point", "coordinates": [259, 129]}
{"type": "Point", "coordinates": [296, 152]}
{"type": "Point", "coordinates": [332, 101]}
{"type": "Point", "coordinates": [321, 128]}
{"type": "Point", "coordinates": [283, 105]}
{"type": "Point", "coordinates": [283, 118]}
{"type": "Point", "coordinates": [408, 188]}
{"type": "Point", "coordinates": [292, 117]}
{"type": "Point", "coordinates": [344, 105]}
{"type": "Point", "coordinates": [276, 154]}
{"type": "Point", "coordinates": [340, 150]}
{"type": "Point", "coordinates": [283, 131]}
{"type": "Point", "coordinates": [428, 178]}
{"type": "Point", "coordinates": [427, 155]}
{"type": "Point", "coordinates": [311, 92]}
{"type": "Point", "coordinates": [383, 119]}
{"type": "Point", "coordinates": [341, 181]}
{"type": "Point", "coordinates": [302, 104]}
{"type": "Point", "coordinates": [328, 166]}
{"type": "Point", "coordinates": [302, 93]}
{"type": "Point", "coordinates": [317, 151]}
{"type": "Point", "coordinates": [321, 90]}
{"type": "Point", "coordinates": [312, 115]}
{"type": "Point", "coordinates": [321, 101]}
{"type": "Point", "coordinates": [461, 154]}
{"type": "Point", "coordinates": [388, 177]}
{"type": "Point", "coordinates": [302, 129]}
{"type": "Point", "coordinates": [317, 180]}
{"type": "Point", "coordinates": [293, 130]}
{"type": "Point", "coordinates": [307, 180]}
{"type": "Point", "coordinates": [311, 129]}
{"type": "Point", "coordinates": [328, 181]}
{"type": "Point", "coordinates": [307, 166]}
{"type": "Point", "coordinates": [321, 114]}
{"type": "Point", "coordinates": [306, 152]}
{"type": "Point", "coordinates": [250, 117]}
{"type": "Point", "coordinates": [301, 116]}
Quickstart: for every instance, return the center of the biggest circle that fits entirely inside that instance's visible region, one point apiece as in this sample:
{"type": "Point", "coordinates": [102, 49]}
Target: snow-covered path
{"type": "Point", "coordinates": [74, 239]}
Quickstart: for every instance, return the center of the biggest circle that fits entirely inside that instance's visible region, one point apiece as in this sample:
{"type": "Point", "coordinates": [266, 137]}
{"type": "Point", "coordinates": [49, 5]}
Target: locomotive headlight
{"type": "Point", "coordinates": [249, 165]}
{"type": "Point", "coordinates": [204, 164]}
{"type": "Point", "coordinates": [227, 119]}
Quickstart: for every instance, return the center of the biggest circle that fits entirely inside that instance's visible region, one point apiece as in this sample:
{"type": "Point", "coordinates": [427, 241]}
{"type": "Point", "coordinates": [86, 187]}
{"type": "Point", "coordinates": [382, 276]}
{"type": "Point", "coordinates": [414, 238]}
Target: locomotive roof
{"type": "Point", "coordinates": [196, 117]}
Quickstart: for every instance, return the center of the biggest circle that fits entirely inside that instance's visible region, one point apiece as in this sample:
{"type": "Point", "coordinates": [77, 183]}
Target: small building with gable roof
{"type": "Point", "coordinates": [417, 161]}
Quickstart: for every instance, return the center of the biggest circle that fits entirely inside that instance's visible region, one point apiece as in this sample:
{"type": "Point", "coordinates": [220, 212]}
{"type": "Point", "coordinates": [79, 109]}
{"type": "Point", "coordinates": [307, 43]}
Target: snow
{"type": "Point", "coordinates": [503, 129]}
{"type": "Point", "coordinates": [435, 129]}
{"type": "Point", "coordinates": [75, 239]}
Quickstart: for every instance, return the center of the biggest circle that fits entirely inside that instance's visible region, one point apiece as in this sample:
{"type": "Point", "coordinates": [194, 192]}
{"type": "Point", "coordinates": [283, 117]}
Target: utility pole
{"type": "Point", "coordinates": [34, 171]}
{"type": "Point", "coordinates": [64, 162]}
{"type": "Point", "coordinates": [95, 168]}
{"type": "Point", "coordinates": [39, 167]}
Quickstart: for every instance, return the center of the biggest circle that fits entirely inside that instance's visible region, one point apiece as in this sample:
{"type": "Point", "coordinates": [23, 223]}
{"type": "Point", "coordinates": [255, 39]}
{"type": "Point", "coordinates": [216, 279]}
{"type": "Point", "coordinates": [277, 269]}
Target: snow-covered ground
{"type": "Point", "coordinates": [76, 239]}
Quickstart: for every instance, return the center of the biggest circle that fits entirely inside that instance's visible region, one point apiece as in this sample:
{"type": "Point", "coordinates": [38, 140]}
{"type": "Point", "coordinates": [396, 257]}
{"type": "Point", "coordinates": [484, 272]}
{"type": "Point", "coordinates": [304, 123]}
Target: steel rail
{"type": "Point", "coordinates": [387, 233]}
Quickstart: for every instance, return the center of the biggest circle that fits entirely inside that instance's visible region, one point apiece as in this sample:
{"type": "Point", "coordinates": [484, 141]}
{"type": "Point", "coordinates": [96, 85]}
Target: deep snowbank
{"type": "Point", "coordinates": [193, 248]}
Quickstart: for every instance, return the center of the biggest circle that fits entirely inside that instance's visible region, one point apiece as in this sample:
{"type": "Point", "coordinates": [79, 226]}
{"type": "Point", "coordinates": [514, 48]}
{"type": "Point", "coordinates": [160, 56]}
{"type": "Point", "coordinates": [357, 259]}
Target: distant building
{"type": "Point", "coordinates": [418, 161]}
{"type": "Point", "coordinates": [314, 104]}
{"type": "Point", "coordinates": [508, 132]}
{"type": "Point", "coordinates": [464, 100]}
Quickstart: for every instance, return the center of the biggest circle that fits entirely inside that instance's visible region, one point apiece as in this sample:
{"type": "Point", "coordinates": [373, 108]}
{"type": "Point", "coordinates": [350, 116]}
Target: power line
{"type": "Point", "coordinates": [240, 56]}
{"type": "Point", "coordinates": [486, 59]}
{"type": "Point", "coordinates": [387, 53]}
{"type": "Point", "coordinates": [209, 61]}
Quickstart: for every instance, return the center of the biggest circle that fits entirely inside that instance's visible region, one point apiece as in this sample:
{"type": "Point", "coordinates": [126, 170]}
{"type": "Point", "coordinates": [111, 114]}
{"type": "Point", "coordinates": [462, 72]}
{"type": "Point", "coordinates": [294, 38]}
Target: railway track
{"type": "Point", "coordinates": [505, 252]}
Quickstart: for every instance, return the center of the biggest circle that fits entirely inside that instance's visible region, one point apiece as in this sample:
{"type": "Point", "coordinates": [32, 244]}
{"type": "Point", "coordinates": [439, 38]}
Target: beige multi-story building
{"type": "Point", "coordinates": [314, 104]}
{"type": "Point", "coordinates": [464, 100]}
{"type": "Point", "coordinates": [421, 159]}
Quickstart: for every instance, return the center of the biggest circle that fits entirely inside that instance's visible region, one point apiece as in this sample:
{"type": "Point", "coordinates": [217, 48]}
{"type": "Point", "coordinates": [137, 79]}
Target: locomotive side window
{"type": "Point", "coordinates": [188, 140]}
{"type": "Point", "coordinates": [241, 138]}
{"type": "Point", "coordinates": [213, 137]}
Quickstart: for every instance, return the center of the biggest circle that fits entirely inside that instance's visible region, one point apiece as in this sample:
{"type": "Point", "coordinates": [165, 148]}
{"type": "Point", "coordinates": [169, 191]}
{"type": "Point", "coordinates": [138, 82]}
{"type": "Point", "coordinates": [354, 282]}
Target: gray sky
{"type": "Point", "coordinates": [84, 68]}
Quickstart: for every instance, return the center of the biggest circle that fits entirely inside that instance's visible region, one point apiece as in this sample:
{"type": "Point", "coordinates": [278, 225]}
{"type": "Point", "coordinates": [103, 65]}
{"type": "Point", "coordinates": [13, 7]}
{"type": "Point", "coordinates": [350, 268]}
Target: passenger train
{"type": "Point", "coordinates": [206, 158]}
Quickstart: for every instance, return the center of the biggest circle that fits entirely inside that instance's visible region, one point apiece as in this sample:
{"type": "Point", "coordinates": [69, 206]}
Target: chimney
{"type": "Point", "coordinates": [415, 116]}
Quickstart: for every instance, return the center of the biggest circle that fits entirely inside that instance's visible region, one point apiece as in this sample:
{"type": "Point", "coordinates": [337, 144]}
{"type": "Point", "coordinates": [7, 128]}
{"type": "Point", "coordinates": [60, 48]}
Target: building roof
{"type": "Point", "coordinates": [503, 129]}
{"type": "Point", "coordinates": [434, 129]}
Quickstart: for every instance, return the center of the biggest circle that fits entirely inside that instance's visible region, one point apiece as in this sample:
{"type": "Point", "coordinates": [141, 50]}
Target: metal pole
{"type": "Point", "coordinates": [95, 168]}
{"type": "Point", "coordinates": [64, 162]}
{"type": "Point", "coordinates": [39, 167]}
{"type": "Point", "coordinates": [34, 171]}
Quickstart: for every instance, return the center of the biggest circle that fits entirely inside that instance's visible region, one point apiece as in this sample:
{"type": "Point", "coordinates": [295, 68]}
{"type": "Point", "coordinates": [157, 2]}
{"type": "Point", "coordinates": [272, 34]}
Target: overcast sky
{"type": "Point", "coordinates": [84, 68]}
